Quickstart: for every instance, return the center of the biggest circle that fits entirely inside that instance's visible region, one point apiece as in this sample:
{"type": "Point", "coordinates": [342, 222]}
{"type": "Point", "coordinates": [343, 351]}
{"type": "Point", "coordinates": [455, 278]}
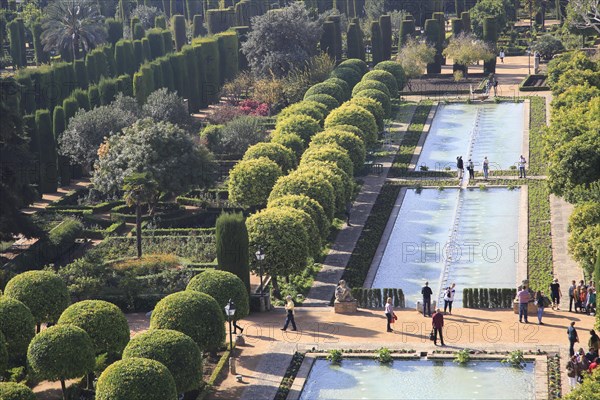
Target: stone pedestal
{"type": "Point", "coordinates": [531, 308]}
{"type": "Point", "coordinates": [345, 307]}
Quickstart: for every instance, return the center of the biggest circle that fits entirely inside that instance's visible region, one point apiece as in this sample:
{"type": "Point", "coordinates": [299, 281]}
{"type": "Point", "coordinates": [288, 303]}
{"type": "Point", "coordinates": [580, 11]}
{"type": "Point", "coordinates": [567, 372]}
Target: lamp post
{"type": "Point", "coordinates": [530, 38]}
{"type": "Point", "coordinates": [260, 256]}
{"type": "Point", "coordinates": [230, 311]}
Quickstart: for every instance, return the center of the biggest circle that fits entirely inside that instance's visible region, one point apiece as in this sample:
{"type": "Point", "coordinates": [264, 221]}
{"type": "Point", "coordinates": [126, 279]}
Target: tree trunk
{"type": "Point", "coordinates": [276, 292]}
{"type": "Point", "coordinates": [38, 327]}
{"type": "Point", "coordinates": [64, 389]}
{"type": "Point", "coordinates": [138, 228]}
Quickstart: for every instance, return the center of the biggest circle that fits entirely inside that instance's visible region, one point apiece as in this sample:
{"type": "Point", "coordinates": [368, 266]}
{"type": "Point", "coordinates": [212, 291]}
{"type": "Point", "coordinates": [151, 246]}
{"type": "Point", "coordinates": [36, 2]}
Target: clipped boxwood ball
{"type": "Point", "coordinates": [359, 65]}
{"type": "Point", "coordinates": [279, 154]}
{"type": "Point", "coordinates": [17, 326]}
{"type": "Point", "coordinates": [43, 292]}
{"type": "Point", "coordinates": [383, 77]}
{"type": "Point", "coordinates": [379, 97]}
{"type": "Point", "coordinates": [222, 286]}
{"type": "Point", "coordinates": [309, 206]}
{"type": "Point", "coordinates": [314, 110]}
{"type": "Point", "coordinates": [357, 116]}
{"type": "Point", "coordinates": [329, 88]}
{"type": "Point", "coordinates": [136, 379]}
{"type": "Point", "coordinates": [372, 106]}
{"type": "Point", "coordinates": [328, 101]}
{"type": "Point", "coordinates": [329, 152]}
{"type": "Point", "coordinates": [347, 74]}
{"type": "Point", "coordinates": [343, 84]}
{"type": "Point", "coordinates": [298, 124]}
{"type": "Point", "coordinates": [395, 69]}
{"type": "Point", "coordinates": [370, 84]}
{"type": "Point", "coordinates": [15, 391]}
{"type": "Point", "coordinates": [104, 322]}
{"type": "Point", "coordinates": [3, 354]}
{"type": "Point", "coordinates": [353, 144]}
{"type": "Point", "coordinates": [196, 314]}
{"type": "Point", "coordinates": [175, 350]}
{"type": "Point", "coordinates": [251, 181]}
{"type": "Point", "coordinates": [291, 141]}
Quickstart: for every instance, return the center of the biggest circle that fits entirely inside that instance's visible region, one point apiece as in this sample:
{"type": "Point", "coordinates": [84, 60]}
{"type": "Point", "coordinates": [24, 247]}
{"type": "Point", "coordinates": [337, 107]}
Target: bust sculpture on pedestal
{"type": "Point", "coordinates": [344, 302]}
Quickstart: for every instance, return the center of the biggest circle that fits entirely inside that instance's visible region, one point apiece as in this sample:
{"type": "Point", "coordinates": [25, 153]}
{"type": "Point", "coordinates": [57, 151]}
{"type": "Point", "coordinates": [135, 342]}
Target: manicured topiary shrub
{"type": "Point", "coordinates": [359, 65]}
{"type": "Point", "coordinates": [16, 31]}
{"type": "Point", "coordinates": [210, 65]}
{"type": "Point", "coordinates": [395, 69]}
{"type": "Point", "coordinates": [114, 30]}
{"type": "Point", "coordinates": [301, 125]}
{"type": "Point", "coordinates": [384, 77]}
{"type": "Point", "coordinates": [156, 43]}
{"type": "Point", "coordinates": [329, 153]}
{"type": "Point", "coordinates": [3, 354]}
{"type": "Point", "coordinates": [407, 29]}
{"type": "Point", "coordinates": [490, 36]}
{"type": "Point", "coordinates": [15, 391]}
{"type": "Point", "coordinates": [146, 49]}
{"type": "Point", "coordinates": [341, 83]}
{"type": "Point", "coordinates": [347, 74]}
{"type": "Point", "coordinates": [326, 100]}
{"type": "Point", "coordinates": [340, 181]}
{"type": "Point", "coordinates": [47, 163]}
{"type": "Point", "coordinates": [222, 286]}
{"type": "Point", "coordinates": [372, 107]}
{"type": "Point", "coordinates": [168, 40]}
{"type": "Point", "coordinates": [283, 237]}
{"type": "Point", "coordinates": [251, 181]}
{"type": "Point", "coordinates": [354, 41]}
{"type": "Point", "coordinates": [43, 292]}
{"type": "Point", "coordinates": [82, 97]}
{"type": "Point", "coordinates": [18, 327]}
{"type": "Point", "coordinates": [291, 141]}
{"type": "Point", "coordinates": [357, 116]}
{"type": "Point", "coordinates": [41, 56]}
{"type": "Point", "coordinates": [178, 24]}
{"type": "Point", "coordinates": [160, 22]}
{"type": "Point", "coordinates": [315, 187]}
{"type": "Point", "coordinates": [376, 42]}
{"type": "Point", "coordinates": [309, 108]}
{"type": "Point", "coordinates": [309, 206]}
{"type": "Point", "coordinates": [80, 74]}
{"type": "Point", "coordinates": [350, 142]}
{"type": "Point", "coordinates": [231, 237]}
{"type": "Point", "coordinates": [138, 32]}
{"type": "Point", "coordinates": [228, 55]}
{"type": "Point", "coordinates": [379, 97]}
{"type": "Point", "coordinates": [136, 379]}
{"type": "Point", "coordinates": [432, 33]}
{"type": "Point", "coordinates": [173, 349]}
{"type": "Point", "coordinates": [370, 84]}
{"type": "Point", "coordinates": [326, 88]}
{"type": "Point", "coordinates": [275, 152]}
{"type": "Point", "coordinates": [108, 90]}
{"type": "Point", "coordinates": [70, 106]}
{"type": "Point", "coordinates": [125, 85]}
{"type": "Point", "coordinates": [138, 53]}
{"type": "Point", "coordinates": [198, 26]}
{"type": "Point", "coordinates": [104, 322]}
{"type": "Point", "coordinates": [327, 42]}
{"type": "Point", "coordinates": [61, 352]}
{"type": "Point", "coordinates": [385, 25]}
{"type": "Point", "coordinates": [196, 314]}
{"type": "Point", "coordinates": [94, 96]}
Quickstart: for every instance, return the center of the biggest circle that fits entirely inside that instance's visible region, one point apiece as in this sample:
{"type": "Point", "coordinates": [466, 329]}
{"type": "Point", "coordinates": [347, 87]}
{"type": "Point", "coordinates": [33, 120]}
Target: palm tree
{"type": "Point", "coordinates": [71, 24]}
{"type": "Point", "coordinates": [140, 189]}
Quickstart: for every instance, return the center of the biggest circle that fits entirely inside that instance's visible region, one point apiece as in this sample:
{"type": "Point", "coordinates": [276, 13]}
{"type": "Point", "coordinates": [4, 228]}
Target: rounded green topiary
{"type": "Point", "coordinates": [315, 187]}
{"type": "Point", "coordinates": [348, 74]}
{"type": "Point", "coordinates": [357, 116]}
{"type": "Point", "coordinates": [328, 101]}
{"type": "Point", "coordinates": [175, 350]}
{"type": "Point", "coordinates": [251, 181]}
{"type": "Point", "coordinates": [329, 88]}
{"type": "Point", "coordinates": [43, 292]}
{"type": "Point", "coordinates": [18, 327]}
{"type": "Point", "coordinates": [371, 106]}
{"type": "Point", "coordinates": [353, 144]}
{"type": "Point", "coordinates": [291, 141]}
{"type": "Point", "coordinates": [341, 182]}
{"type": "Point", "coordinates": [281, 155]}
{"type": "Point", "coordinates": [196, 314]}
{"type": "Point", "coordinates": [370, 84]}
{"type": "Point", "coordinates": [222, 286]}
{"type": "Point", "coordinates": [329, 152]}
{"type": "Point", "coordinates": [3, 354]}
{"type": "Point", "coordinates": [309, 206]}
{"type": "Point", "coordinates": [136, 379]}
{"type": "Point", "coordinates": [104, 322]}
{"type": "Point", "coordinates": [61, 352]}
{"type": "Point", "coordinates": [15, 391]}
{"type": "Point", "coordinates": [301, 125]}
{"type": "Point", "coordinates": [309, 108]}
{"type": "Point", "coordinates": [343, 84]}
{"type": "Point", "coordinates": [349, 128]}
{"type": "Point", "coordinates": [379, 97]}
{"type": "Point", "coordinates": [395, 69]}
{"type": "Point", "coordinates": [383, 77]}
{"type": "Point", "coordinates": [359, 65]}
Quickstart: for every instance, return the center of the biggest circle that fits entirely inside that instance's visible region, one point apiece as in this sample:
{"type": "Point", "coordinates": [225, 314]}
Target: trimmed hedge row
{"type": "Point", "coordinates": [376, 298]}
{"type": "Point", "coordinates": [488, 298]}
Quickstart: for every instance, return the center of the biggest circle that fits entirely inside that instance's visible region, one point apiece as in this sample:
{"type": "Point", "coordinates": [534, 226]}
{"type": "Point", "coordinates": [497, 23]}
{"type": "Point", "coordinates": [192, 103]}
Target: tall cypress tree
{"type": "Point", "coordinates": [385, 24]}
{"type": "Point", "coordinates": [58, 127]}
{"type": "Point", "coordinates": [490, 35]}
{"type": "Point", "coordinates": [179, 32]}
{"type": "Point", "coordinates": [376, 43]}
{"type": "Point", "coordinates": [48, 167]}
{"type": "Point", "coordinates": [232, 246]}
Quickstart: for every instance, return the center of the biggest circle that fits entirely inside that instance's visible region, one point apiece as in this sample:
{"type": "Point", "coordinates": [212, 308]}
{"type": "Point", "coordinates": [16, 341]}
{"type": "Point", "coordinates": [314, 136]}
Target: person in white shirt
{"type": "Point", "coordinates": [449, 298]}
{"type": "Point", "coordinates": [522, 163]}
{"type": "Point", "coordinates": [502, 56]}
{"type": "Point", "coordinates": [389, 313]}
{"type": "Point", "coordinates": [486, 168]}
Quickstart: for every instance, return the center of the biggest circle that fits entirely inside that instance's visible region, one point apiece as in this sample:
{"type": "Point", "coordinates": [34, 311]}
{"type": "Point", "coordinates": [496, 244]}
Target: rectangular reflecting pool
{"type": "Point", "coordinates": [469, 237]}
{"type": "Point", "coordinates": [404, 379]}
{"type": "Point", "coordinates": [475, 131]}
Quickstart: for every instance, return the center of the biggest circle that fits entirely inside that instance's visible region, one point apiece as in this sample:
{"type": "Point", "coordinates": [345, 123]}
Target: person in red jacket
{"type": "Point", "coordinates": [437, 322]}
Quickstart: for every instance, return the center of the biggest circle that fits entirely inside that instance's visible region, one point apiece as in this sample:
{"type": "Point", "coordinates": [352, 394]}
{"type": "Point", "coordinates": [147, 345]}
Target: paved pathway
{"type": "Point", "coordinates": [59, 194]}
{"type": "Point", "coordinates": [333, 267]}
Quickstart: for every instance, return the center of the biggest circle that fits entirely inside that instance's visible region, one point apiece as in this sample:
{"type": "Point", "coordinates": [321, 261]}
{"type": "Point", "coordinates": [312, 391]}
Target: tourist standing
{"type": "Point", "coordinates": [540, 302]}
{"type": "Point", "coordinates": [572, 371]}
{"type": "Point", "coordinates": [486, 168]}
{"type": "Point", "coordinates": [289, 307]}
{"type": "Point", "coordinates": [576, 295]}
{"type": "Point", "coordinates": [426, 292]}
{"type": "Point", "coordinates": [572, 295]}
{"type": "Point", "coordinates": [471, 169]}
{"type": "Point", "coordinates": [594, 341]}
{"type": "Point", "coordinates": [348, 210]}
{"type": "Point", "coordinates": [502, 56]}
{"type": "Point", "coordinates": [437, 322]}
{"type": "Point", "coordinates": [590, 301]}
{"type": "Point", "coordinates": [495, 85]}
{"type": "Point", "coordinates": [449, 298]}
{"type": "Point", "coordinates": [524, 297]}
{"type": "Point", "coordinates": [389, 313]}
{"type": "Point", "coordinates": [522, 163]}
{"type": "Point", "coordinates": [459, 166]}
{"type": "Point", "coordinates": [555, 294]}
{"type": "Point", "coordinates": [573, 338]}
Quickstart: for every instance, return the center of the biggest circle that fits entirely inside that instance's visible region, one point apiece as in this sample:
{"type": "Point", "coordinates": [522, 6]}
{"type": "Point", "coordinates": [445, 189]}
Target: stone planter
{"type": "Point", "coordinates": [345, 307]}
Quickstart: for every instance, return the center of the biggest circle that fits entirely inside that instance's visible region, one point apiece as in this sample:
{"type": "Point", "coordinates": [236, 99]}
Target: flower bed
{"type": "Point", "coordinates": [409, 141]}
{"type": "Point", "coordinates": [534, 83]}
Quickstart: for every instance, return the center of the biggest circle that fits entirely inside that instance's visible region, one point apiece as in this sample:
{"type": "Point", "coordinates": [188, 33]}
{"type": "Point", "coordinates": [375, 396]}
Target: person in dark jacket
{"type": "Point", "coordinates": [426, 292]}
{"type": "Point", "coordinates": [437, 322]}
{"type": "Point", "coordinates": [460, 166]}
{"type": "Point", "coordinates": [573, 338]}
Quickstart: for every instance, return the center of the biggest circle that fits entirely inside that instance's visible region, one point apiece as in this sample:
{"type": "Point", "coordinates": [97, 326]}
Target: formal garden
{"type": "Point", "coordinates": [173, 168]}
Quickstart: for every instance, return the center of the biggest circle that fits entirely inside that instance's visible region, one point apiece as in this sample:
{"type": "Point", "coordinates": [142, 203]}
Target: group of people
{"type": "Point", "coordinates": [460, 167]}
{"type": "Point", "coordinates": [583, 297]}
{"type": "Point", "coordinates": [581, 362]}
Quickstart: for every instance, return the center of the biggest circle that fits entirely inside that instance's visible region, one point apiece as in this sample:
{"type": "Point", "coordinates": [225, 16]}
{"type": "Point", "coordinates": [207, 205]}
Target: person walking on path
{"type": "Point", "coordinates": [437, 323]}
{"type": "Point", "coordinates": [289, 307]}
{"type": "Point", "coordinates": [524, 297]}
{"type": "Point", "coordinates": [389, 313]}
{"type": "Point", "coordinates": [522, 163]}
{"type": "Point", "coordinates": [471, 169]}
{"type": "Point", "coordinates": [594, 342]}
{"type": "Point", "coordinates": [348, 210]}
{"type": "Point", "coordinates": [486, 168]}
{"type": "Point", "coordinates": [555, 294]}
{"type": "Point", "coordinates": [572, 295]}
{"type": "Point", "coordinates": [573, 338]}
{"type": "Point", "coordinates": [426, 292]}
{"type": "Point", "coordinates": [540, 302]}
{"type": "Point", "coordinates": [502, 56]}
{"type": "Point", "coordinates": [459, 166]}
{"type": "Point", "coordinates": [573, 371]}
{"type": "Point", "coordinates": [449, 298]}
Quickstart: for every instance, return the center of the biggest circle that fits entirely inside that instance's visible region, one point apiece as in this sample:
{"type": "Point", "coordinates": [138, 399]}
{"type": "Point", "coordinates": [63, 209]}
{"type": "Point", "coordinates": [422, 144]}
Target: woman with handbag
{"type": "Point", "coordinates": [389, 314]}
